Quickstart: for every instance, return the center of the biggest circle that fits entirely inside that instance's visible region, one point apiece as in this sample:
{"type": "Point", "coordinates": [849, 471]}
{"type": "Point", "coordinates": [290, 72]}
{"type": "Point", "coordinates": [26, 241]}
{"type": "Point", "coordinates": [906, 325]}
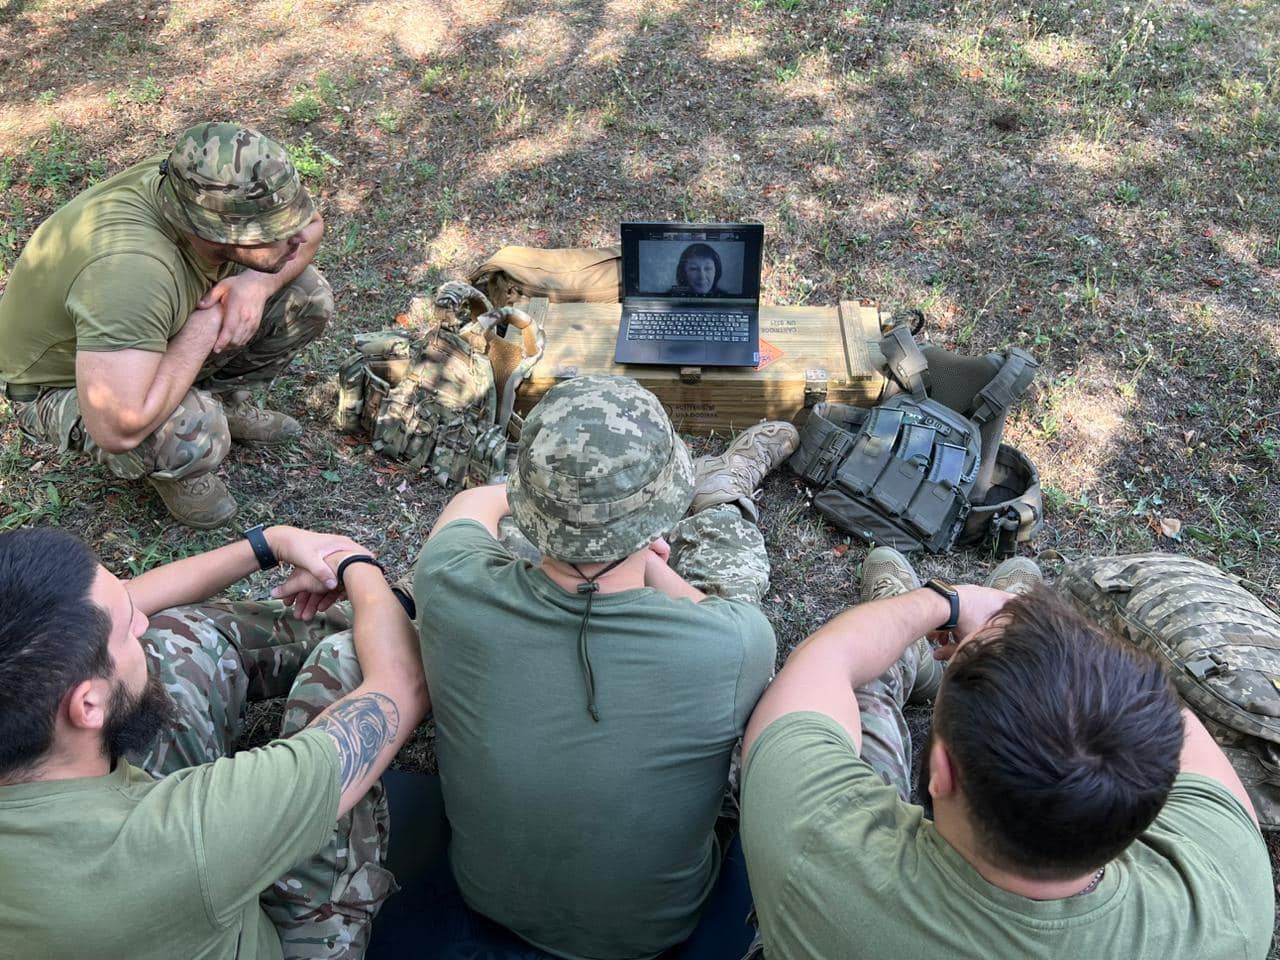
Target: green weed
{"type": "Point", "coordinates": [304, 109]}
{"type": "Point", "coordinates": [311, 161]}
{"type": "Point", "coordinates": [147, 90]}
{"type": "Point", "coordinates": [431, 78]}
{"type": "Point", "coordinates": [388, 121]}
{"type": "Point", "coordinates": [1126, 193]}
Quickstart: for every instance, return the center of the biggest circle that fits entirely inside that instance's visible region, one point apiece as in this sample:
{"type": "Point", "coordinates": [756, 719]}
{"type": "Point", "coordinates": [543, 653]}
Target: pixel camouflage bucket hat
{"type": "Point", "coordinates": [601, 472]}
{"type": "Point", "coordinates": [231, 184]}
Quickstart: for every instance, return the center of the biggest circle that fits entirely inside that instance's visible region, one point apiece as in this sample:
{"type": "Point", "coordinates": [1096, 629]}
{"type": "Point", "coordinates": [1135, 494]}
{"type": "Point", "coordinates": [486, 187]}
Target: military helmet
{"type": "Point", "coordinates": [231, 184]}
{"type": "Point", "coordinates": [600, 472]}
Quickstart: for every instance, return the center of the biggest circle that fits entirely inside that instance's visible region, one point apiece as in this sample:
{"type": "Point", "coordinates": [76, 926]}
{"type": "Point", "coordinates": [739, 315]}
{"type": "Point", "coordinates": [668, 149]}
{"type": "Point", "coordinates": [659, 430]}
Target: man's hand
{"type": "Point", "coordinates": [311, 551]}
{"type": "Point", "coordinates": [243, 298]}
{"type": "Point", "coordinates": [977, 606]}
{"type": "Point", "coordinates": [307, 595]}
{"type": "Point", "coordinates": [661, 549]}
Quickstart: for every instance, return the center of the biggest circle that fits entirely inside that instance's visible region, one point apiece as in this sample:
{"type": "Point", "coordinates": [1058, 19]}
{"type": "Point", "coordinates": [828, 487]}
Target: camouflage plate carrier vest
{"type": "Point", "coordinates": [1217, 641]}
{"type": "Point", "coordinates": [443, 398]}
{"type": "Point", "coordinates": [926, 469]}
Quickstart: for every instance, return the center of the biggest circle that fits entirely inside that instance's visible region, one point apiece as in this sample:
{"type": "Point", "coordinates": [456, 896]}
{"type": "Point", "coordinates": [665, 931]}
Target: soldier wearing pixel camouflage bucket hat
{"type": "Point", "coordinates": [139, 314]}
{"type": "Point", "coordinates": [589, 703]}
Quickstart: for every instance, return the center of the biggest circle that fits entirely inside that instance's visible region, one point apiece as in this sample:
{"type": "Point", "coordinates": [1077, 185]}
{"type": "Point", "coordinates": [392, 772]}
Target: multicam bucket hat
{"type": "Point", "coordinates": [231, 184]}
{"type": "Point", "coordinates": [601, 473]}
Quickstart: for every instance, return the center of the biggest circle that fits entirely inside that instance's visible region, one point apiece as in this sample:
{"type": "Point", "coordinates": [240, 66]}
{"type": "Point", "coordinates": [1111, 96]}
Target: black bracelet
{"type": "Point", "coordinates": [358, 558]}
{"type": "Point", "coordinates": [261, 549]}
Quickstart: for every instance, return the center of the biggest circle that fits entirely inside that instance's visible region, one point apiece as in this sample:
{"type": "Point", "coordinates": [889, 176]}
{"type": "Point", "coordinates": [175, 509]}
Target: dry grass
{"type": "Point", "coordinates": [1097, 185]}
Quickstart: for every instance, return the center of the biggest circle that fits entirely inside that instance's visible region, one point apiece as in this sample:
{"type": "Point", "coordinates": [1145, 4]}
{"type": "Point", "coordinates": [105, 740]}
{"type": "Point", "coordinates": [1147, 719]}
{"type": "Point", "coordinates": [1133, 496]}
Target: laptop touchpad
{"type": "Point", "coordinates": [678, 351]}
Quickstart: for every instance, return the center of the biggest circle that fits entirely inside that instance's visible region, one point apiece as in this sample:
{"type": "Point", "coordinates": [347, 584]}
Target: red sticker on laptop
{"type": "Point", "coordinates": [768, 354]}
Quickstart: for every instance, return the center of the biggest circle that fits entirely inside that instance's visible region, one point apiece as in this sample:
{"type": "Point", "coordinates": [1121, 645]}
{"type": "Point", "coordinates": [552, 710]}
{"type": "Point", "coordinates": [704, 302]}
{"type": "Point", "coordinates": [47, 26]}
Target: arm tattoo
{"type": "Point", "coordinates": [361, 727]}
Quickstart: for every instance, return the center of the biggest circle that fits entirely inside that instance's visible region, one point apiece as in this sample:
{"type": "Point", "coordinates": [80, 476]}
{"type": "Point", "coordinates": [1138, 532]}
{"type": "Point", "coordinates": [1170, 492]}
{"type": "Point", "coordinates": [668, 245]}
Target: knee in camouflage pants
{"type": "Point", "coordinates": [194, 439]}
{"type": "Point", "coordinates": [213, 659]}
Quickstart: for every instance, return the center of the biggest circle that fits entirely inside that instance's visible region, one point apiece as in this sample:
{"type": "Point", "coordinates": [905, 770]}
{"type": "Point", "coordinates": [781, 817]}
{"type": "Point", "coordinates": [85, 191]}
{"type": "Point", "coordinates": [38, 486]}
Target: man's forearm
{"type": "Point", "coordinates": [859, 645]}
{"type": "Point", "coordinates": [866, 640]}
{"type": "Point", "coordinates": [375, 719]}
{"type": "Point", "coordinates": [126, 395]}
{"type": "Point", "coordinates": [193, 579]}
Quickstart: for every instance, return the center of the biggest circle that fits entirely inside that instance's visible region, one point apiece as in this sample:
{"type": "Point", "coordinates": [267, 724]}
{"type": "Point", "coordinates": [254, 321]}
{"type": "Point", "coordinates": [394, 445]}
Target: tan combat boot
{"type": "Point", "coordinates": [1015, 575]}
{"type": "Point", "coordinates": [202, 502]}
{"type": "Point", "coordinates": [735, 475]}
{"type": "Point", "coordinates": [249, 423]}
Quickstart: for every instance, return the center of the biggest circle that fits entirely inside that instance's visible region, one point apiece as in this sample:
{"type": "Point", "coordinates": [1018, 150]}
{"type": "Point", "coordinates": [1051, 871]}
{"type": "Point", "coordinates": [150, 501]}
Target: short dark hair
{"type": "Point", "coordinates": [706, 252]}
{"type": "Point", "coordinates": [1065, 740]}
{"type": "Point", "coordinates": [52, 636]}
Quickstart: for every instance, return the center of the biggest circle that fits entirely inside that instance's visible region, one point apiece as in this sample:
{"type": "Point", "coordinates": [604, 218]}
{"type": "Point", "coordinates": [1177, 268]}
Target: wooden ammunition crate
{"type": "Point", "coordinates": [819, 353]}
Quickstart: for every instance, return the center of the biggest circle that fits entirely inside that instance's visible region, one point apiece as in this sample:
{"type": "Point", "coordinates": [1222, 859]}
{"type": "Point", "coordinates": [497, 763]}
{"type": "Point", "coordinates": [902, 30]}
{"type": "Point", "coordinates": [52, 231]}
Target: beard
{"type": "Point", "coordinates": [136, 719]}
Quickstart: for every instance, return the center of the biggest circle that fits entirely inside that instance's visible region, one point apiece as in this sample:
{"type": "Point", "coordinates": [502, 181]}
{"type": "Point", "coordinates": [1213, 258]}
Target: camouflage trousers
{"type": "Point", "coordinates": [194, 439]}
{"type": "Point", "coordinates": [214, 658]}
{"type": "Point", "coordinates": [717, 550]}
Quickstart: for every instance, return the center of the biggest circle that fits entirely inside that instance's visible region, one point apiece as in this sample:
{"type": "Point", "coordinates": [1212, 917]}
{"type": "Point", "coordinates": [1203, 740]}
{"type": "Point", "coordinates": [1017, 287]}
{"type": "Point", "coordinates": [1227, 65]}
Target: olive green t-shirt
{"type": "Point", "coordinates": [126, 866]}
{"type": "Point", "coordinates": [105, 272]}
{"type": "Point", "coordinates": [590, 840]}
{"type": "Point", "coordinates": [841, 869]}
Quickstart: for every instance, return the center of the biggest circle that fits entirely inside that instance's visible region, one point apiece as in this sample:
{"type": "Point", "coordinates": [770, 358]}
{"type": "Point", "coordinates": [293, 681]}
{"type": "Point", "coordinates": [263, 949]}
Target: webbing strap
{"type": "Point", "coordinates": [905, 362]}
{"type": "Point", "coordinates": [1013, 526]}
{"type": "Point", "coordinates": [1017, 371]}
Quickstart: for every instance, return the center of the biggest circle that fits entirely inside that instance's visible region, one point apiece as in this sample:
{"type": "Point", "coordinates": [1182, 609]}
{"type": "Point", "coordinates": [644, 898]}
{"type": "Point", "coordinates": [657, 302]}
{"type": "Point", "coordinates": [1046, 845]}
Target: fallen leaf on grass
{"type": "Point", "coordinates": [974, 73]}
{"type": "Point", "coordinates": [1170, 527]}
{"type": "Point", "coordinates": [1214, 282]}
{"type": "Point", "coordinates": [402, 320]}
{"type": "Point", "coordinates": [840, 549]}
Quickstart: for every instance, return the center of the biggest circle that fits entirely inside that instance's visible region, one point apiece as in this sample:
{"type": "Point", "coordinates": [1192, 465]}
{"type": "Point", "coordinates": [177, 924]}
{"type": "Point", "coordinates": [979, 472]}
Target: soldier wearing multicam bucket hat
{"type": "Point", "coordinates": [138, 314]}
{"type": "Point", "coordinates": [587, 706]}
{"type": "Point", "coordinates": [130, 829]}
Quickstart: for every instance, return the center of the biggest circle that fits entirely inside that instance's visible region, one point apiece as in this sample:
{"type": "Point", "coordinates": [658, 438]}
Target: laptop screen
{"type": "Point", "coordinates": [680, 261]}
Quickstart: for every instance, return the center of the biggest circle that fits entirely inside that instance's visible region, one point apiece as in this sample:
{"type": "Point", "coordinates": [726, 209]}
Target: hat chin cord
{"type": "Point", "coordinates": [590, 588]}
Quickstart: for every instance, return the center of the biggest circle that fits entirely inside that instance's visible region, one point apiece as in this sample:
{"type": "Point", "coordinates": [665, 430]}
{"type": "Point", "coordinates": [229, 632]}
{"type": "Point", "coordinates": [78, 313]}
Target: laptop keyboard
{"type": "Point", "coordinates": [711, 327]}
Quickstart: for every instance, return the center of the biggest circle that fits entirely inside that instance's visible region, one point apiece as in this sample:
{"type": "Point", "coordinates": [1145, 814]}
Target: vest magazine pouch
{"type": "Point", "coordinates": [896, 486]}
{"type": "Point", "coordinates": [871, 452]}
{"type": "Point", "coordinates": [916, 444]}
{"type": "Point", "coordinates": [947, 465]}
{"type": "Point", "coordinates": [936, 510]}
{"type": "Point", "coordinates": [376, 389]}
{"type": "Point", "coordinates": [351, 387]}
{"type": "Point", "coordinates": [454, 438]}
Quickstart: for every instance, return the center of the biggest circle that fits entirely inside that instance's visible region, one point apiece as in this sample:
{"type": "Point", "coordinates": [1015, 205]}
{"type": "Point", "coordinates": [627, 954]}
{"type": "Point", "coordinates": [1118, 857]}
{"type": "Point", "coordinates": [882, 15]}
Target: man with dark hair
{"type": "Point", "coordinates": [698, 273]}
{"type": "Point", "coordinates": [1071, 808]}
{"type": "Point", "coordinates": [587, 707]}
{"type": "Point", "coordinates": [139, 315]}
{"type": "Point", "coordinates": [134, 831]}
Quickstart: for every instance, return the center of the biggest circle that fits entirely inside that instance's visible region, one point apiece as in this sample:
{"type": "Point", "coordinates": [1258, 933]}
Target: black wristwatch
{"type": "Point", "coordinates": [946, 590]}
{"type": "Point", "coordinates": [261, 549]}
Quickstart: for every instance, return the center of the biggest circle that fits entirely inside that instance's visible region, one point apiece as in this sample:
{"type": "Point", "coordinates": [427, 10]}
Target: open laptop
{"type": "Point", "coordinates": [690, 294]}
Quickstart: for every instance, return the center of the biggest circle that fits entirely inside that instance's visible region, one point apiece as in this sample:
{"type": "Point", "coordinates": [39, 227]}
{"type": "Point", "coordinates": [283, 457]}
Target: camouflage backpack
{"type": "Point", "coordinates": [445, 397]}
{"type": "Point", "coordinates": [1218, 642]}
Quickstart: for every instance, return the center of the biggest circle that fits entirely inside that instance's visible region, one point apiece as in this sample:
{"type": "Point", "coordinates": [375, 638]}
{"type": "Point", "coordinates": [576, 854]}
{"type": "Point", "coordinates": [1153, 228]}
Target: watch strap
{"type": "Point", "coordinates": [356, 558]}
{"type": "Point", "coordinates": [947, 592]}
{"type": "Point", "coordinates": [261, 549]}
